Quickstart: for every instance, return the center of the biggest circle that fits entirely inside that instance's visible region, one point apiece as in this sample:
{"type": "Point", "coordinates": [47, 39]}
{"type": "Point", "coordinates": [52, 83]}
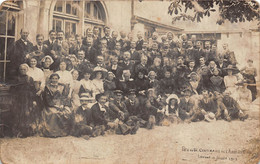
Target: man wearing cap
{"type": "Point", "coordinates": [118, 106]}
{"type": "Point", "coordinates": [82, 117]}
{"type": "Point", "coordinates": [125, 125]}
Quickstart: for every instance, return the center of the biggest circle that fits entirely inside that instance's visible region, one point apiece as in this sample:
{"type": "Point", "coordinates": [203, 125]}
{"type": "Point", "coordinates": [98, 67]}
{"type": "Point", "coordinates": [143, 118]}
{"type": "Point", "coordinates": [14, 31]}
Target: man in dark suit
{"type": "Point", "coordinates": [187, 106]}
{"type": "Point", "coordinates": [107, 34]}
{"type": "Point", "coordinates": [19, 52]}
{"type": "Point", "coordinates": [101, 114]}
{"type": "Point", "coordinates": [123, 41]}
{"type": "Point", "coordinates": [82, 117]}
{"type": "Point", "coordinates": [139, 42]}
{"type": "Point", "coordinates": [50, 41]}
{"type": "Point", "coordinates": [79, 45]}
{"type": "Point", "coordinates": [119, 107]}
{"type": "Point", "coordinates": [127, 64]}
{"type": "Point", "coordinates": [39, 50]}
{"type": "Point", "coordinates": [115, 68]}
{"type": "Point", "coordinates": [112, 42]}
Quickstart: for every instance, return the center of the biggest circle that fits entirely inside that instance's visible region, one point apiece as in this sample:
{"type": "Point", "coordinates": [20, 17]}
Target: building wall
{"type": "Point", "coordinates": [119, 14]}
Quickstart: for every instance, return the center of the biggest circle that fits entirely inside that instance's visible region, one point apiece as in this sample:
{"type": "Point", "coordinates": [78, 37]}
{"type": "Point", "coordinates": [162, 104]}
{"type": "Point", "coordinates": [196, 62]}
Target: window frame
{"type": "Point", "coordinates": [8, 7]}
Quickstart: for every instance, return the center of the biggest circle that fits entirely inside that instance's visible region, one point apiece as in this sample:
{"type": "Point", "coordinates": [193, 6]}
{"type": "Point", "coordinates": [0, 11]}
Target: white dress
{"type": "Point", "coordinates": [65, 77]}
{"type": "Point", "coordinates": [37, 75]}
{"type": "Point", "coordinates": [98, 86]}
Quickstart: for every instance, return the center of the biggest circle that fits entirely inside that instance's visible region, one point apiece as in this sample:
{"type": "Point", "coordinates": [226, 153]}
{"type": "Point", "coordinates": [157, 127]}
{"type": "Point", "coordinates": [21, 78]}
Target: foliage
{"type": "Point", "coordinates": [231, 10]}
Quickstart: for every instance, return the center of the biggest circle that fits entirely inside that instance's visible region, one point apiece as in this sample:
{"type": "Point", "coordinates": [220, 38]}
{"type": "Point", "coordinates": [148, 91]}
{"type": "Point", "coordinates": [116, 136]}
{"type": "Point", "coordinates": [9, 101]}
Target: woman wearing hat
{"type": "Point", "coordinates": [172, 107]}
{"type": "Point", "coordinates": [56, 115]}
{"type": "Point", "coordinates": [230, 80]}
{"type": "Point", "coordinates": [24, 92]}
{"type": "Point", "coordinates": [86, 85]}
{"type": "Point", "coordinates": [97, 82]}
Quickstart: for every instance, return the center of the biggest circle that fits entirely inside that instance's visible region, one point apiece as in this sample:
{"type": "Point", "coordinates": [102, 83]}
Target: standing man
{"type": "Point", "coordinates": [39, 50]}
{"type": "Point", "coordinates": [139, 42]}
{"type": "Point", "coordinates": [50, 41]}
{"type": "Point", "coordinates": [107, 34]}
{"type": "Point", "coordinates": [20, 51]}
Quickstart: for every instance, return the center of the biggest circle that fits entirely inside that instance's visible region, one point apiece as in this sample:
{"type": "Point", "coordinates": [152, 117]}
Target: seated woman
{"type": "Point", "coordinates": [56, 115]}
{"type": "Point", "coordinates": [216, 82]}
{"type": "Point", "coordinates": [97, 82]}
{"type": "Point", "coordinates": [65, 76]}
{"type": "Point", "coordinates": [23, 108]}
{"type": "Point", "coordinates": [244, 96]}
{"type": "Point", "coordinates": [37, 75]}
{"type": "Point", "coordinates": [141, 85]}
{"type": "Point", "coordinates": [75, 90]}
{"type": "Point", "coordinates": [85, 83]}
{"type": "Point", "coordinates": [110, 85]}
{"type": "Point", "coordinates": [171, 110]}
{"type": "Point", "coordinates": [47, 61]}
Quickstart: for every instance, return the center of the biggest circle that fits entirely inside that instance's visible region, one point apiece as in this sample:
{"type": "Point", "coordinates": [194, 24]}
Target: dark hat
{"type": "Point", "coordinates": [187, 90]}
{"type": "Point", "coordinates": [54, 74]}
{"type": "Point", "coordinates": [132, 91]}
{"type": "Point", "coordinates": [118, 92]}
{"type": "Point", "coordinates": [233, 69]}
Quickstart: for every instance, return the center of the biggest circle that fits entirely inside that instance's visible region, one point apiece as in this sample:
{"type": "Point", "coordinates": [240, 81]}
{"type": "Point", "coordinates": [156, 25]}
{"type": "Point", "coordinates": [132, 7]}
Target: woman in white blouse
{"type": "Point", "coordinates": [65, 76]}
{"type": "Point", "coordinates": [75, 89]}
{"type": "Point", "coordinates": [37, 75]}
{"type": "Point", "coordinates": [97, 82]}
{"type": "Point", "coordinates": [231, 80]}
{"type": "Point", "coordinates": [86, 84]}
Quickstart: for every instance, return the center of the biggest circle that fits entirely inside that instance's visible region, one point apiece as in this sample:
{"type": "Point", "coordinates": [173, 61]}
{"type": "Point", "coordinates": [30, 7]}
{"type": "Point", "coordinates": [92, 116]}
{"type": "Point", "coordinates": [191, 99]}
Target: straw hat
{"type": "Point", "coordinates": [172, 96]}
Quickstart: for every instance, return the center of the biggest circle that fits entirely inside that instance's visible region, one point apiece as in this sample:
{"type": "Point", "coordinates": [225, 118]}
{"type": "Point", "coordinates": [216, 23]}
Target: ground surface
{"type": "Point", "coordinates": [168, 145]}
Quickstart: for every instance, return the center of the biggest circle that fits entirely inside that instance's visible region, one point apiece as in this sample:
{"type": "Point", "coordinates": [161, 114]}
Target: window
{"type": "Point", "coordinates": [66, 16]}
{"type": "Point", "coordinates": [68, 7]}
{"type": "Point", "coordinates": [70, 28]}
{"type": "Point", "coordinates": [57, 24]}
{"type": "Point", "coordinates": [94, 10]}
{"type": "Point", "coordinates": [7, 34]}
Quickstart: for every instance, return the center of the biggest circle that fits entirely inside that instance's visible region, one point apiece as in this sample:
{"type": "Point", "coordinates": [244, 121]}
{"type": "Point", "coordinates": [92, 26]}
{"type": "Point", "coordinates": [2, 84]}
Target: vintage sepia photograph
{"type": "Point", "coordinates": [129, 82]}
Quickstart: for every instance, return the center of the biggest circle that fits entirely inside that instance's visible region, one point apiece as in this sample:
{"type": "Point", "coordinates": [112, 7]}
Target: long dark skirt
{"type": "Point", "coordinates": [55, 122]}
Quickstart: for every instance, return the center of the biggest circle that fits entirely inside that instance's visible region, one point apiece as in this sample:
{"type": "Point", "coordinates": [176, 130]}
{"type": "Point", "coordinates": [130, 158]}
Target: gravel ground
{"type": "Point", "coordinates": [201, 142]}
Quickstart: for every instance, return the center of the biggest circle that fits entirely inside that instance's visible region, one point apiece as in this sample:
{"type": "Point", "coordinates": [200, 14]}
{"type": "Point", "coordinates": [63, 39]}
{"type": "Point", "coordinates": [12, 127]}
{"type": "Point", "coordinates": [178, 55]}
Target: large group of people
{"type": "Point", "coordinates": [89, 86]}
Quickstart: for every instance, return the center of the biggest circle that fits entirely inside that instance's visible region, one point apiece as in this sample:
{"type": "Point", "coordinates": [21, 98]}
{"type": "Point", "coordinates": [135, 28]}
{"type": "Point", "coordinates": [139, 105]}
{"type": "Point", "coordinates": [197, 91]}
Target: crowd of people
{"type": "Point", "coordinates": [89, 86]}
